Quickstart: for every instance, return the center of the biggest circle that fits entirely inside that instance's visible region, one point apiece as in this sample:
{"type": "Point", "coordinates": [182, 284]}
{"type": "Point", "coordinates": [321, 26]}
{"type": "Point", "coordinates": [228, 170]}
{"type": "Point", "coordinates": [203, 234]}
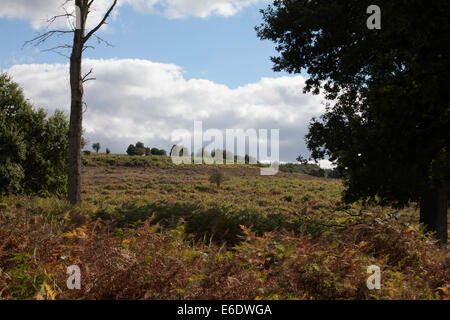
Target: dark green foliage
{"type": "Point", "coordinates": [249, 159]}
{"type": "Point", "coordinates": [314, 227]}
{"type": "Point", "coordinates": [389, 131]}
{"type": "Point", "coordinates": [131, 151]}
{"type": "Point", "coordinates": [318, 173]}
{"type": "Point", "coordinates": [99, 160]}
{"type": "Point", "coordinates": [87, 152]}
{"type": "Point", "coordinates": [33, 147]}
{"type": "Point", "coordinates": [108, 151]}
{"type": "Point", "coordinates": [140, 145]}
{"type": "Point", "coordinates": [140, 149]}
{"type": "Point", "coordinates": [225, 154]}
{"type": "Point", "coordinates": [391, 122]}
{"type": "Point", "coordinates": [158, 152]}
{"type": "Point", "coordinates": [310, 169]}
{"type": "Point", "coordinates": [137, 150]}
{"type": "Point", "coordinates": [333, 174]}
{"type": "Point", "coordinates": [302, 160]}
{"type": "Point", "coordinates": [96, 146]}
{"type": "Point", "coordinates": [219, 222]}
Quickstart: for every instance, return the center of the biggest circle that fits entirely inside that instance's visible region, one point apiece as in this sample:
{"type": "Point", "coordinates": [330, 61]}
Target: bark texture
{"type": "Point", "coordinates": [433, 211]}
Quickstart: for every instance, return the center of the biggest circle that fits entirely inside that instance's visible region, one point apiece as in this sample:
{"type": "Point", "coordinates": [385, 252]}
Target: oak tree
{"type": "Point", "coordinates": [387, 125]}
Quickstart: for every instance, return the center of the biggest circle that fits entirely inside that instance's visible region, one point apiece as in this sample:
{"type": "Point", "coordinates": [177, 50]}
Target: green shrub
{"type": "Point", "coordinates": [158, 152]}
{"type": "Point", "coordinates": [33, 147]}
{"type": "Point", "coordinates": [313, 227]}
{"type": "Point", "coordinates": [217, 177]}
{"type": "Point", "coordinates": [25, 280]}
{"type": "Point", "coordinates": [131, 151]}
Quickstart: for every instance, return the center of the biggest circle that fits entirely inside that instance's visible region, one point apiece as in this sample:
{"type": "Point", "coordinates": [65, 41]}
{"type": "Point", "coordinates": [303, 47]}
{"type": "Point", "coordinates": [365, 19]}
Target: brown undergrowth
{"type": "Point", "coordinates": [150, 230]}
{"type": "Point", "coordinates": [153, 263]}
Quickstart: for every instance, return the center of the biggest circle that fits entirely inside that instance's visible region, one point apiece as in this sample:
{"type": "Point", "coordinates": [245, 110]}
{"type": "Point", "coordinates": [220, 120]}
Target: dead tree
{"type": "Point", "coordinates": [80, 39]}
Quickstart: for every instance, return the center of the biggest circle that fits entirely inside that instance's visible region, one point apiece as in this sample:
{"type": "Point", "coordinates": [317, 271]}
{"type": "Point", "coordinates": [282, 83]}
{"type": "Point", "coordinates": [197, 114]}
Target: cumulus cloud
{"type": "Point", "coordinates": [38, 12]}
{"type": "Point", "coordinates": [197, 8]}
{"type": "Point", "coordinates": [135, 100]}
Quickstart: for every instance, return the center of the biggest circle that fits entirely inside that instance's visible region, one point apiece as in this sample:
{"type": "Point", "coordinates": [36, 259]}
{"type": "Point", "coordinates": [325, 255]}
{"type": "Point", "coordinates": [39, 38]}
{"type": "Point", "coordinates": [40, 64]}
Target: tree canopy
{"type": "Point", "coordinates": [387, 126]}
{"type": "Point", "coordinates": [140, 149]}
{"type": "Point", "coordinates": [33, 146]}
{"type": "Point", "coordinates": [96, 146]}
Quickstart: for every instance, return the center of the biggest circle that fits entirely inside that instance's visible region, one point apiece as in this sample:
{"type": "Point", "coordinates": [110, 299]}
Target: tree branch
{"type": "Point", "coordinates": [41, 38]}
{"type": "Point", "coordinates": [85, 77]}
{"type": "Point", "coordinates": [107, 14]}
{"type": "Point", "coordinates": [55, 50]}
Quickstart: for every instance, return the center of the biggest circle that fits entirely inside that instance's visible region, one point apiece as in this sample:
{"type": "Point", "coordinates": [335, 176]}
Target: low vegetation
{"type": "Point", "coordinates": [148, 229]}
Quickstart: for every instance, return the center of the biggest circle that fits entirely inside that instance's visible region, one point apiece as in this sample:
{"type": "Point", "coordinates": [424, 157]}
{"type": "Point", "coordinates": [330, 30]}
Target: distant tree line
{"type": "Point", "coordinates": [181, 151]}
{"type": "Point", "coordinates": [96, 146]}
{"type": "Point", "coordinates": [139, 149]}
{"type": "Point", "coordinates": [310, 169]}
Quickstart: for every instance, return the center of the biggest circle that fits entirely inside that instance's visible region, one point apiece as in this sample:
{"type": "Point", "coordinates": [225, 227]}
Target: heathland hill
{"type": "Point", "coordinates": [150, 229]}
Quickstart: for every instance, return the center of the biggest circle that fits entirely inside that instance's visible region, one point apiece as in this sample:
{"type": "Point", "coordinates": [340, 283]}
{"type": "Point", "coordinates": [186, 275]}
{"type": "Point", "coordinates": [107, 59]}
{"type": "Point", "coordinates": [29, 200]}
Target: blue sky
{"type": "Point", "coordinates": [223, 49]}
{"type": "Point", "coordinates": [172, 63]}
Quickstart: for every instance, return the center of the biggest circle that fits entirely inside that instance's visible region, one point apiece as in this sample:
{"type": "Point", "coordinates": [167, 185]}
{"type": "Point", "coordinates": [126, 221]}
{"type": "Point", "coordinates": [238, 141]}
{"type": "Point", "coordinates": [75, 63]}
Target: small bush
{"type": "Point", "coordinates": [217, 177]}
{"type": "Point", "coordinates": [158, 152]}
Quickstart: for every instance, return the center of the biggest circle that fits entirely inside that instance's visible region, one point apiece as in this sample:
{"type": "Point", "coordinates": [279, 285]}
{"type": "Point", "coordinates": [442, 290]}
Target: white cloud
{"type": "Point", "coordinates": [38, 12]}
{"type": "Point", "coordinates": [197, 8]}
{"type": "Point", "coordinates": [326, 164]}
{"type": "Point", "coordinates": [135, 100]}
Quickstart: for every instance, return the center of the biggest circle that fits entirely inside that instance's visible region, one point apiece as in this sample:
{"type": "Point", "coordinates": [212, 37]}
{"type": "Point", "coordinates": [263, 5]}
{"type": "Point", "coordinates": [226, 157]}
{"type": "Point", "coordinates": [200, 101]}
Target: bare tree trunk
{"type": "Point", "coordinates": [76, 110]}
{"type": "Point", "coordinates": [433, 211]}
{"type": "Point", "coordinates": [76, 90]}
{"type": "Point", "coordinates": [82, 9]}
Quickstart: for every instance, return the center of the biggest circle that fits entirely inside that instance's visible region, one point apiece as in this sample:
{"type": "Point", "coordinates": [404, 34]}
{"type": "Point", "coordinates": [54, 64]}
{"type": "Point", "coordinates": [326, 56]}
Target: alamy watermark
{"type": "Point", "coordinates": [374, 21]}
{"type": "Point", "coordinates": [374, 281]}
{"type": "Point", "coordinates": [216, 152]}
{"type": "Point", "coordinates": [77, 18]}
{"type": "Point", "coordinates": [74, 280]}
